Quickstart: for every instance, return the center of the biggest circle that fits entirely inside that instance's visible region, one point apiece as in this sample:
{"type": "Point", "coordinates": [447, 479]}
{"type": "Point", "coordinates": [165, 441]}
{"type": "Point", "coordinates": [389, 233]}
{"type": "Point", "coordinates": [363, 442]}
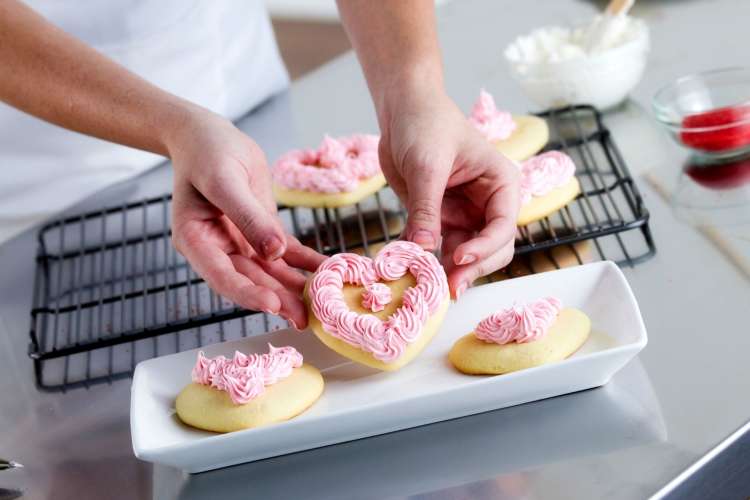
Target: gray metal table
{"type": "Point", "coordinates": [684, 395]}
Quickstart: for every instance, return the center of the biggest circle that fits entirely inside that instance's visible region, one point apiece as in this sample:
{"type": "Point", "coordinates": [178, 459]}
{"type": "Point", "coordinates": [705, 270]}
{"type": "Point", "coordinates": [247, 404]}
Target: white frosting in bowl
{"type": "Point", "coordinates": [555, 69]}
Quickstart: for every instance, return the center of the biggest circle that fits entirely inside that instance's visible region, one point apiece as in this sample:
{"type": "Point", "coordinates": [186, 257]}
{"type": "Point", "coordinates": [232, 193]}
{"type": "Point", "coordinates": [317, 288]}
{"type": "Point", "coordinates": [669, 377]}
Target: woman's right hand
{"type": "Point", "coordinates": [224, 219]}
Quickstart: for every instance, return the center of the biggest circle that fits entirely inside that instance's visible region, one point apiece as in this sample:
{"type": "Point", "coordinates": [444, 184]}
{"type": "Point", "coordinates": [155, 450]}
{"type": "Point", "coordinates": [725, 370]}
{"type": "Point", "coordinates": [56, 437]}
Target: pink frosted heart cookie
{"type": "Point", "coordinates": [380, 312]}
{"type": "Point", "coordinates": [340, 172]}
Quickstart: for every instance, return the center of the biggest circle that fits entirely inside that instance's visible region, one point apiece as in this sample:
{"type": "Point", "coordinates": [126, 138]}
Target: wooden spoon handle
{"type": "Point", "coordinates": [618, 7]}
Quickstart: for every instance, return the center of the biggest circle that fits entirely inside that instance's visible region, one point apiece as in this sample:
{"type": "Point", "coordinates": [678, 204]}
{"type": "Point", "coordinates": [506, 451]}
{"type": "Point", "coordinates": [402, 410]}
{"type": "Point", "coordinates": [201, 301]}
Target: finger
{"type": "Point", "coordinates": [292, 306]}
{"type": "Point", "coordinates": [425, 183]}
{"type": "Point", "coordinates": [393, 176]}
{"type": "Point", "coordinates": [255, 272]}
{"type": "Point", "coordinates": [461, 277]}
{"type": "Point", "coordinates": [289, 277]}
{"type": "Point", "coordinates": [260, 181]}
{"type": "Point", "coordinates": [501, 211]}
{"type": "Point", "coordinates": [293, 309]}
{"type": "Point", "coordinates": [262, 229]}
{"type": "Point", "coordinates": [217, 269]}
{"type": "Point", "coordinates": [300, 256]}
{"type": "Point", "coordinates": [452, 238]}
{"type": "Point", "coordinates": [458, 212]}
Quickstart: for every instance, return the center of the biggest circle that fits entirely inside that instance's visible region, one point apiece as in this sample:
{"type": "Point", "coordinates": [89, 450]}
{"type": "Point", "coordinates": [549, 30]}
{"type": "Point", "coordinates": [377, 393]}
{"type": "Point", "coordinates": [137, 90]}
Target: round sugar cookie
{"type": "Point", "coordinates": [560, 257]}
{"type": "Point", "coordinates": [210, 409]}
{"type": "Point", "coordinates": [529, 137]}
{"type": "Point", "coordinates": [517, 267]}
{"type": "Point", "coordinates": [371, 249]}
{"type": "Point", "coordinates": [298, 198]}
{"type": "Point", "coordinates": [541, 206]}
{"type": "Point", "coordinates": [566, 335]}
{"type": "Point", "coordinates": [352, 230]}
{"type": "Point", "coordinates": [353, 298]}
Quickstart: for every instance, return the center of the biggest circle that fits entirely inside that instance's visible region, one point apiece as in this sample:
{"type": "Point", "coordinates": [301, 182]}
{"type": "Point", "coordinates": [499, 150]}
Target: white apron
{"type": "Point", "coordinates": [220, 54]}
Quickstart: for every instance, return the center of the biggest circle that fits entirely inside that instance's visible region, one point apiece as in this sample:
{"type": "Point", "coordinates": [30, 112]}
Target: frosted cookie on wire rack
{"type": "Point", "coordinates": [520, 337]}
{"type": "Point", "coordinates": [548, 183]}
{"type": "Point", "coordinates": [342, 171]}
{"type": "Point", "coordinates": [516, 136]}
{"type": "Point", "coordinates": [245, 391]}
{"type": "Point", "coordinates": [379, 312]}
{"type": "Point", "coordinates": [541, 261]}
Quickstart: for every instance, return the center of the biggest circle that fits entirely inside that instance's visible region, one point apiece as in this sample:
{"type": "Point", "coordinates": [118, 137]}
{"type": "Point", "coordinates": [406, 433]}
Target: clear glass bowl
{"type": "Point", "coordinates": [708, 113]}
{"type": "Point", "coordinates": [713, 192]}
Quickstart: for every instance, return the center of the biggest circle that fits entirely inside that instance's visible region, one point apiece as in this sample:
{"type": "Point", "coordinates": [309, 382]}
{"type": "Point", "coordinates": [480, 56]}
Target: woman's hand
{"type": "Point", "coordinates": [224, 219]}
{"type": "Point", "coordinates": [454, 183]}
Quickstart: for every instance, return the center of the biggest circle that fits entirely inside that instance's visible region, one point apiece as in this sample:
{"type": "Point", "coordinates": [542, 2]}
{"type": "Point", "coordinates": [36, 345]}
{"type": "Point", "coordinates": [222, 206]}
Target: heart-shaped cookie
{"type": "Point", "coordinates": [351, 312]}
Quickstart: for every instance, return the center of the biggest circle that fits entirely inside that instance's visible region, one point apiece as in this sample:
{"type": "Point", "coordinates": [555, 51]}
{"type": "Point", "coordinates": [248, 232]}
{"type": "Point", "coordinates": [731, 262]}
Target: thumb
{"type": "Point", "coordinates": [425, 186]}
{"type": "Point", "coordinates": [260, 228]}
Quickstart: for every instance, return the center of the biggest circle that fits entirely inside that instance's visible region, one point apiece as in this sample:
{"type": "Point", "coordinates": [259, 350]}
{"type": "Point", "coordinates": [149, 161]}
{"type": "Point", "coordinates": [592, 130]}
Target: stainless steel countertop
{"type": "Point", "coordinates": [685, 394]}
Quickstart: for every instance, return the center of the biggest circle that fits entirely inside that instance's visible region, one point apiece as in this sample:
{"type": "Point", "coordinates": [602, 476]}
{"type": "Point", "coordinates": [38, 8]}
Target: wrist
{"type": "Point", "coordinates": [183, 121]}
{"type": "Point", "coordinates": [402, 90]}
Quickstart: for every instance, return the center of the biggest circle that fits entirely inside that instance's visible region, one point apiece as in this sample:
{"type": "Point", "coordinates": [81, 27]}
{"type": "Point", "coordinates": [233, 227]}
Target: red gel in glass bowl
{"type": "Point", "coordinates": [720, 175]}
{"type": "Point", "coordinates": [708, 112]}
{"type": "Point", "coordinates": [717, 130]}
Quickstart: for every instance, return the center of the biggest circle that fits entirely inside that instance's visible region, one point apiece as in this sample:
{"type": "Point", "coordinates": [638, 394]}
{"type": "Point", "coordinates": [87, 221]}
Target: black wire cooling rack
{"type": "Point", "coordinates": [110, 290]}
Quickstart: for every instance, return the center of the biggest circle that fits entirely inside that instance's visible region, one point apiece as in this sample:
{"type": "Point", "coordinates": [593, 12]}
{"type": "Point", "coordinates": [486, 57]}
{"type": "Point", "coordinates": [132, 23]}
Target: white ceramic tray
{"type": "Point", "coordinates": [360, 402]}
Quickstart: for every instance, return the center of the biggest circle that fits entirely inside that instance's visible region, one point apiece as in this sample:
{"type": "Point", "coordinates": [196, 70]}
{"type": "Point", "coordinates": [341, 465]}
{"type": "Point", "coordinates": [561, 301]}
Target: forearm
{"type": "Point", "coordinates": [397, 45]}
{"type": "Point", "coordinates": [52, 75]}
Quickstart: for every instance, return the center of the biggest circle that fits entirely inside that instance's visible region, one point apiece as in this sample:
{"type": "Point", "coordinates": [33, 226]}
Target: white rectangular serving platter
{"type": "Point", "coordinates": [360, 402]}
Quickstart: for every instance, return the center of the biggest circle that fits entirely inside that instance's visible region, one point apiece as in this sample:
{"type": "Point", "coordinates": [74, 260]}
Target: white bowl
{"type": "Point", "coordinates": [603, 80]}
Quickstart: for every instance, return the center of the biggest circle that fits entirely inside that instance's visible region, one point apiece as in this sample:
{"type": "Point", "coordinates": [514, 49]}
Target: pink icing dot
{"type": "Point", "coordinates": [521, 324]}
{"type": "Point", "coordinates": [491, 122]}
{"type": "Point", "coordinates": [376, 296]}
{"type": "Point", "coordinates": [542, 173]}
{"type": "Point", "coordinates": [338, 165]}
{"type": "Point", "coordinates": [385, 340]}
{"type": "Point", "coordinates": [244, 377]}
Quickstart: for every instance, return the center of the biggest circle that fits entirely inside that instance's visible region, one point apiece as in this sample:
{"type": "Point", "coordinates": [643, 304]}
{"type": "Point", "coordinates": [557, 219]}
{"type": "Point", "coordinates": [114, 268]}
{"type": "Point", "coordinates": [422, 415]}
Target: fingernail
{"type": "Point", "coordinates": [424, 238]}
{"type": "Point", "coordinates": [460, 290]}
{"type": "Point", "coordinates": [272, 248]}
{"type": "Point", "coordinates": [269, 311]}
{"type": "Point", "coordinates": [294, 325]}
{"type": "Point", "coordinates": [467, 259]}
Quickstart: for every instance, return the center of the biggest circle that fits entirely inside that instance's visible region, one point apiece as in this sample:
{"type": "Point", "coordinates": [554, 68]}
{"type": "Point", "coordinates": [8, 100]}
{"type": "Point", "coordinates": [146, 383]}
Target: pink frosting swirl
{"type": "Point", "coordinates": [385, 340]}
{"type": "Point", "coordinates": [245, 377]}
{"type": "Point", "coordinates": [337, 166]}
{"type": "Point", "coordinates": [492, 123]}
{"type": "Point", "coordinates": [525, 323]}
{"type": "Point", "coordinates": [542, 173]}
{"type": "Point", "coordinates": [376, 296]}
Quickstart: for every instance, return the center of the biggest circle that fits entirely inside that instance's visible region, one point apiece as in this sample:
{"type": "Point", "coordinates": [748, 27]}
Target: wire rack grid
{"type": "Point", "coordinates": [110, 290]}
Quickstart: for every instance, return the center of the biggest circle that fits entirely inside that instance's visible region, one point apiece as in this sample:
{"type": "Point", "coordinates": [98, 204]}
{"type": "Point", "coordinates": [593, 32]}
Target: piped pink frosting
{"type": "Point", "coordinates": [338, 165]}
{"type": "Point", "coordinates": [245, 377]}
{"type": "Point", "coordinates": [525, 323]}
{"type": "Point", "coordinates": [376, 296]}
{"type": "Point", "coordinates": [385, 340]}
{"type": "Point", "coordinates": [491, 122]}
{"type": "Point", "coordinates": [542, 173]}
